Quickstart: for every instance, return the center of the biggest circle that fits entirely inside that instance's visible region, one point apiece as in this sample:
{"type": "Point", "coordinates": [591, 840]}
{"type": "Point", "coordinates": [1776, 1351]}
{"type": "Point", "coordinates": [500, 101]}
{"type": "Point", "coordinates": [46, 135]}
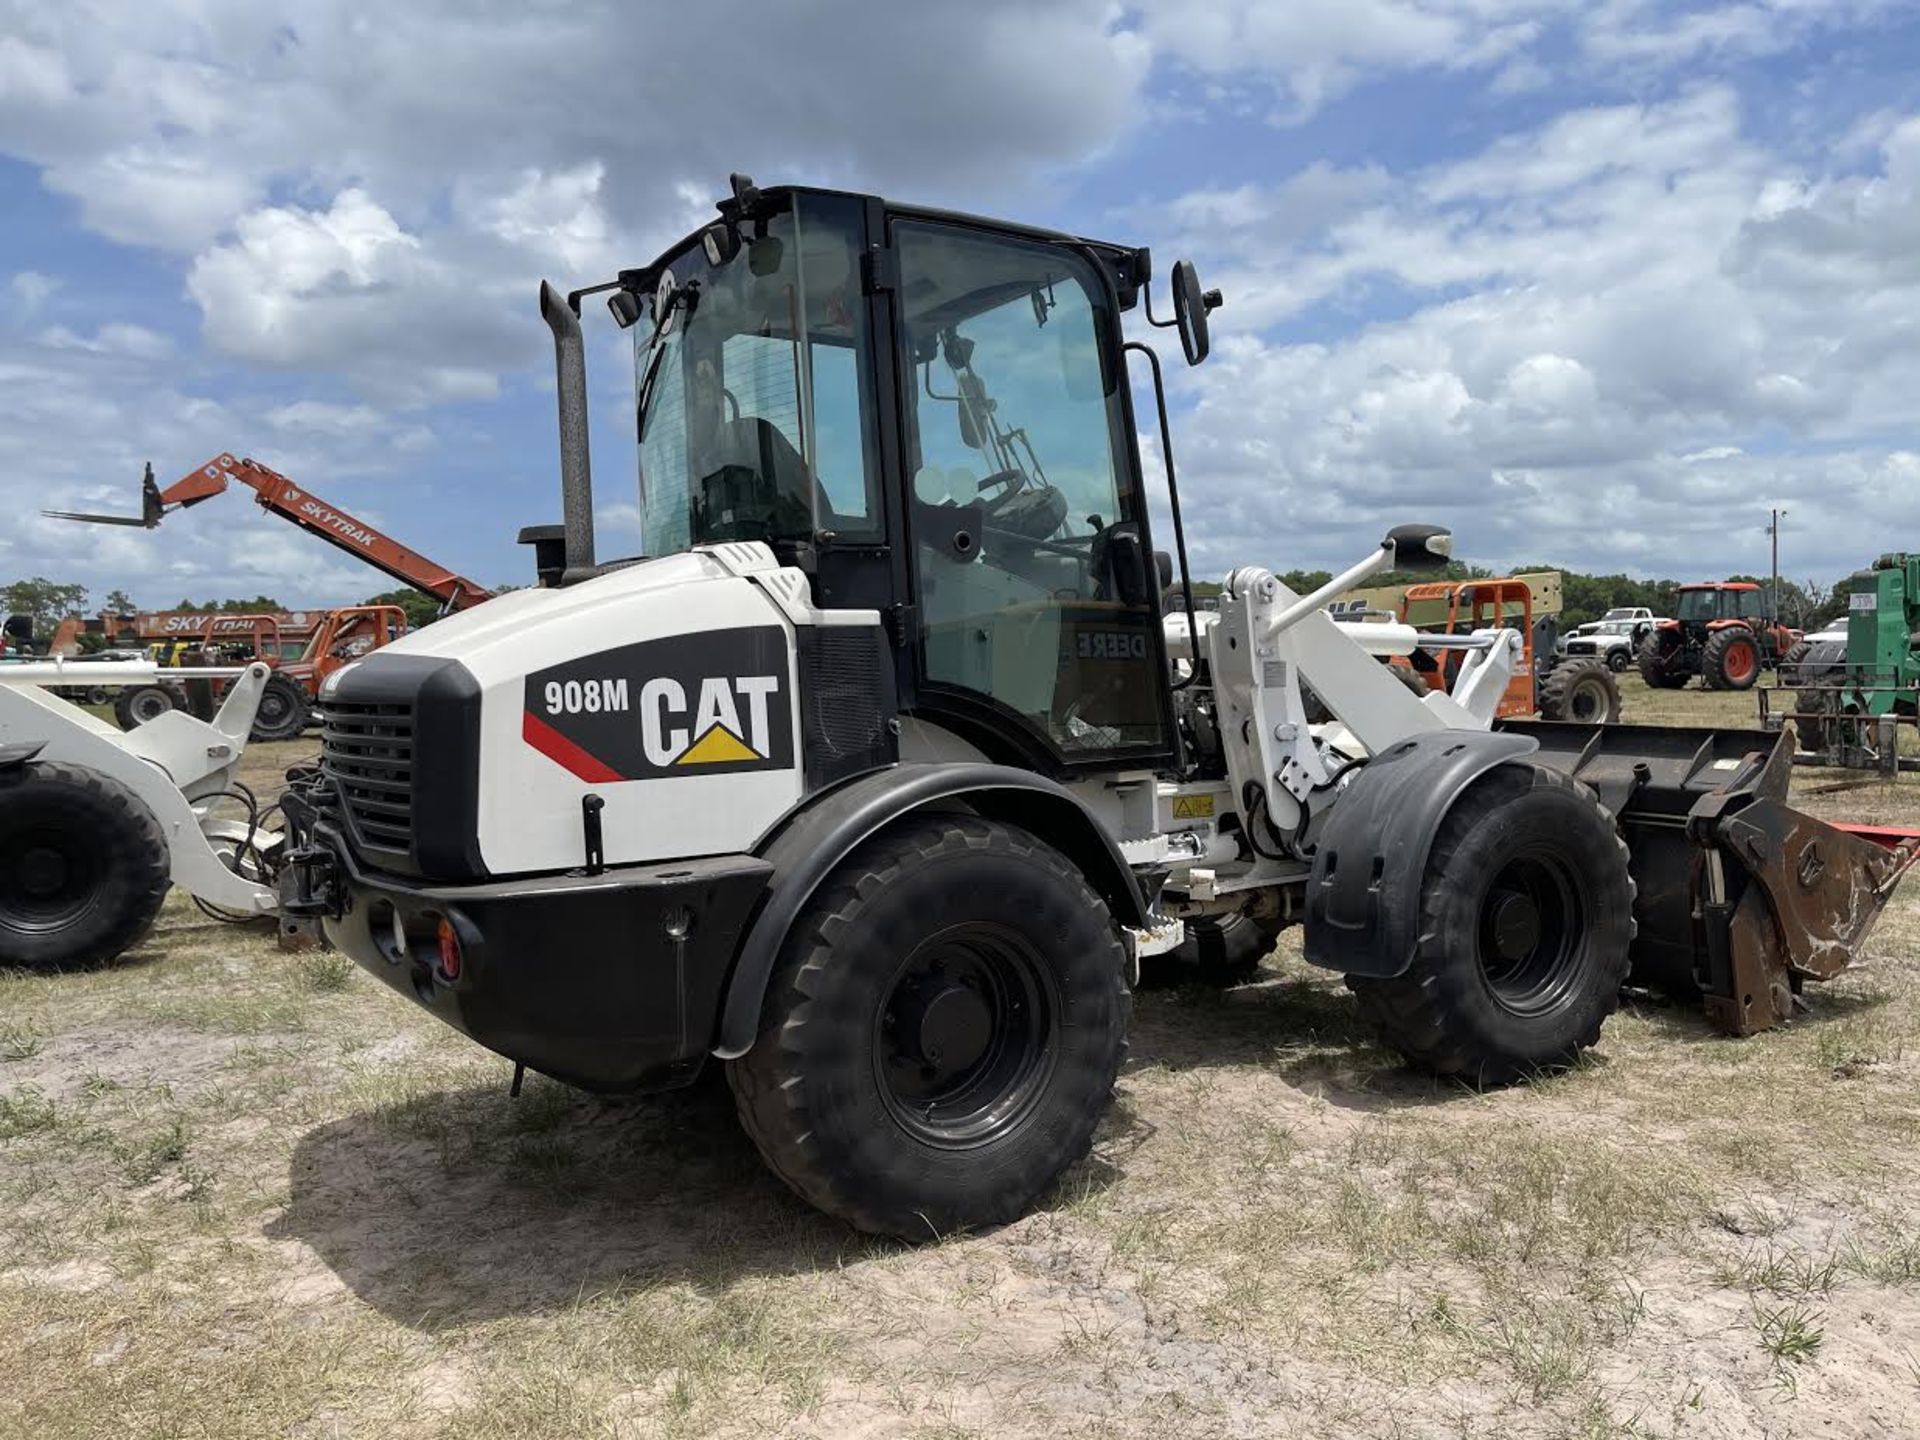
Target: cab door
{"type": "Point", "coordinates": [1036, 597]}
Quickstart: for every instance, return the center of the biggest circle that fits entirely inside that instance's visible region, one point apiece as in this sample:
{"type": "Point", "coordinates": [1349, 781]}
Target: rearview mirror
{"type": "Point", "coordinates": [1420, 547]}
{"type": "Point", "coordinates": [973, 409]}
{"type": "Point", "coordinates": [1191, 306]}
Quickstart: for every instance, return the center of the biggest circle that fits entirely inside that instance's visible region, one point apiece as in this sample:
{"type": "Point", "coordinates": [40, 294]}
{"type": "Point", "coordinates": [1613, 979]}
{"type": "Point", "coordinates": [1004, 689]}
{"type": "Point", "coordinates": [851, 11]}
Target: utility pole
{"type": "Point", "coordinates": [1773, 529]}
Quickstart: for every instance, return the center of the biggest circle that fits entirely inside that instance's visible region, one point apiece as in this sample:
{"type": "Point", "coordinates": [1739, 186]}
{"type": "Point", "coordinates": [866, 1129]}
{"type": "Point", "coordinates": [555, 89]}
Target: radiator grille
{"type": "Point", "coordinates": [846, 683]}
{"type": "Point", "coordinates": [367, 750]}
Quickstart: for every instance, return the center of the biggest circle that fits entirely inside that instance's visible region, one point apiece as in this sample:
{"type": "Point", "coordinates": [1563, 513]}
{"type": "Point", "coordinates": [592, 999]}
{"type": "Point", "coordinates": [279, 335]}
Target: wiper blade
{"type": "Point", "coordinates": [641, 409]}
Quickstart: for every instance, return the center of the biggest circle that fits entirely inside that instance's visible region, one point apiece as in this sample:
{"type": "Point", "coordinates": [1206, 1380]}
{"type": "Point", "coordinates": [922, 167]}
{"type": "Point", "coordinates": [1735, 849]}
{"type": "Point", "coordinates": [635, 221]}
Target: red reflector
{"type": "Point", "coordinates": [449, 949]}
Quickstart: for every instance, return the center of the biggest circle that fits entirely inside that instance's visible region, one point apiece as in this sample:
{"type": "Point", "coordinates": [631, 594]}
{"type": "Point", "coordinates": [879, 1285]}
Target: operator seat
{"type": "Point", "coordinates": [751, 466]}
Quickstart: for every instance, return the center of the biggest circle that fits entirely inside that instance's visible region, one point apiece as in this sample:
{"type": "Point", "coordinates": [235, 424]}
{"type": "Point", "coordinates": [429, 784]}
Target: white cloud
{"type": "Point", "coordinates": [1628, 302]}
{"type": "Point", "coordinates": [1632, 324]}
{"type": "Point", "coordinates": [135, 342]}
{"type": "Point", "coordinates": [1312, 51]}
{"type": "Point", "coordinates": [31, 290]}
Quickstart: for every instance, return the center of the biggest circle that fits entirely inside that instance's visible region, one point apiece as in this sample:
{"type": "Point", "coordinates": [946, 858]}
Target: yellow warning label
{"type": "Point", "coordinates": [719, 746]}
{"type": "Point", "coordinates": [1193, 807]}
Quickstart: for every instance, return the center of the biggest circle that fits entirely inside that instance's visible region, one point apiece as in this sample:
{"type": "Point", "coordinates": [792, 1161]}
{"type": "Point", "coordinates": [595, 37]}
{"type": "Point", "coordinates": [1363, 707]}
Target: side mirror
{"type": "Point", "coordinates": [1420, 547]}
{"type": "Point", "coordinates": [627, 308]}
{"type": "Point", "coordinates": [1191, 306]}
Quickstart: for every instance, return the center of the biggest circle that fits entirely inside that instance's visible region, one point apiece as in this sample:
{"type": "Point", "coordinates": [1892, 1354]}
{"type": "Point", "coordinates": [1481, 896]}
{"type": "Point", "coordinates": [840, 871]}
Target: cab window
{"type": "Point", "coordinates": [1035, 589]}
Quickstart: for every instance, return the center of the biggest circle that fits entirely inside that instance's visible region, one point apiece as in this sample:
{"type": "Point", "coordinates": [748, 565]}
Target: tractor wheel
{"type": "Point", "coordinates": [1790, 662]}
{"type": "Point", "coordinates": [285, 709]}
{"type": "Point", "coordinates": [1657, 667]}
{"type": "Point", "coordinates": [1583, 691]}
{"type": "Point", "coordinates": [942, 1032]}
{"type": "Point", "coordinates": [1222, 952]}
{"type": "Point", "coordinates": [83, 866]}
{"type": "Point", "coordinates": [1819, 731]}
{"type": "Point", "coordinates": [137, 704]}
{"type": "Point", "coordinates": [1731, 659]}
{"type": "Point", "coordinates": [1526, 919]}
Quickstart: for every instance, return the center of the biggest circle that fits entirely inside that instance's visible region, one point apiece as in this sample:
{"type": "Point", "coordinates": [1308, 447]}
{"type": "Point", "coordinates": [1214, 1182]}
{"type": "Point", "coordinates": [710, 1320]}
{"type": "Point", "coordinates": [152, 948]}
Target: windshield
{"type": "Point", "coordinates": [748, 399]}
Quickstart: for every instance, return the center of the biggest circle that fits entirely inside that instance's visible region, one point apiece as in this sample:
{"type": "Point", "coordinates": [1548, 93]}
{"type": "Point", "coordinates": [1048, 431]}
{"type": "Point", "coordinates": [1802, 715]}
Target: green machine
{"type": "Point", "coordinates": [1875, 671]}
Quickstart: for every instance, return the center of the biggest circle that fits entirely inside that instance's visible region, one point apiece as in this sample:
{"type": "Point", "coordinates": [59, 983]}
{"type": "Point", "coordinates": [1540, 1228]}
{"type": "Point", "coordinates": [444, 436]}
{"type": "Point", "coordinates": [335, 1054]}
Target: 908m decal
{"type": "Point", "coordinates": [708, 704]}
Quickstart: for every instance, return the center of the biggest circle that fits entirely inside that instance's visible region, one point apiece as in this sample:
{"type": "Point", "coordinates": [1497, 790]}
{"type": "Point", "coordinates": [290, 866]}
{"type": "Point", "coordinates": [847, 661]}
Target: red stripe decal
{"type": "Point", "coordinates": [563, 752]}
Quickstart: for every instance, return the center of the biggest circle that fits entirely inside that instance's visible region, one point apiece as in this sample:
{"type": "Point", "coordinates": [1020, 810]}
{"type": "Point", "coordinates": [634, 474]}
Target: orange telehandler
{"type": "Point", "coordinates": [278, 495]}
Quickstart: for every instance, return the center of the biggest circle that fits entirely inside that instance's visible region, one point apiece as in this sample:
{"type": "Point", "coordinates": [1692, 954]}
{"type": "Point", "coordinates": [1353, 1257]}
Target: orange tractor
{"type": "Point", "coordinates": [1721, 632]}
{"type": "Point", "coordinates": [1582, 690]}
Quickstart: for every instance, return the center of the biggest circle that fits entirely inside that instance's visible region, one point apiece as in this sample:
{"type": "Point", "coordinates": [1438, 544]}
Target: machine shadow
{"type": "Point", "coordinates": [463, 1206]}
{"type": "Point", "coordinates": [1309, 1033]}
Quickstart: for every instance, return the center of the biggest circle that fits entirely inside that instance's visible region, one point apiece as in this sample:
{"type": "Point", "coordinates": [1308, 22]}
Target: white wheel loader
{"type": "Point", "coordinates": [95, 822]}
{"type": "Point", "coordinates": [879, 776]}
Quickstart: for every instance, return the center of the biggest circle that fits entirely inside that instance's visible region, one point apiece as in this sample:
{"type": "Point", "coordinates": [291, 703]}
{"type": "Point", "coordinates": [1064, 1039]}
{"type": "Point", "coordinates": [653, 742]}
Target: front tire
{"type": "Point", "coordinates": [1659, 668]}
{"type": "Point", "coordinates": [1618, 659]}
{"type": "Point", "coordinates": [83, 866]}
{"type": "Point", "coordinates": [942, 1033]}
{"type": "Point", "coordinates": [137, 704]}
{"type": "Point", "coordinates": [1526, 921]}
{"type": "Point", "coordinates": [284, 710]}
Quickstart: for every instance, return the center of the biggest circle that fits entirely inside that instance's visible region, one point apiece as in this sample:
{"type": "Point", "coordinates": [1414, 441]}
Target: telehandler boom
{"type": "Point", "coordinates": [878, 777]}
{"type": "Point", "coordinates": [278, 495]}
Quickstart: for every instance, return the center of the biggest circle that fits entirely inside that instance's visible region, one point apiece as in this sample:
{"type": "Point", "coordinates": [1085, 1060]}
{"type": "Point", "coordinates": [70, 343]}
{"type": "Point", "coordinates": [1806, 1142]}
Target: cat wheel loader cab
{"type": "Point", "coordinates": [880, 775]}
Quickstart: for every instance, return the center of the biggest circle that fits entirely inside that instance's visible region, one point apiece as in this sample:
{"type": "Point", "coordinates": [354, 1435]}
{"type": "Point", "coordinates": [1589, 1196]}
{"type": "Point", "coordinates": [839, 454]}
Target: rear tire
{"type": "Point", "coordinates": [83, 866]}
{"type": "Point", "coordinates": [1731, 659]}
{"type": "Point", "coordinates": [284, 712]}
{"type": "Point", "coordinates": [1581, 691]}
{"type": "Point", "coordinates": [137, 704]}
{"type": "Point", "coordinates": [1790, 662]}
{"type": "Point", "coordinates": [942, 1033]}
{"type": "Point", "coordinates": [1526, 921]}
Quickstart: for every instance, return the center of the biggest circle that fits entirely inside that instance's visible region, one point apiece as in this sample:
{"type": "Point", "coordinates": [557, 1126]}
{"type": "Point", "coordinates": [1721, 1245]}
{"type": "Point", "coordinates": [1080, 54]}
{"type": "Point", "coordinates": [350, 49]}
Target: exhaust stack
{"type": "Point", "coordinates": [576, 468]}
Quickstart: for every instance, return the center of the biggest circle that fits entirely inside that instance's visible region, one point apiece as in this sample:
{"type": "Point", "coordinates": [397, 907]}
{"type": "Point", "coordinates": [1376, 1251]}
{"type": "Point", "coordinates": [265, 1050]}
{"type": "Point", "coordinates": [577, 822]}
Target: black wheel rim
{"type": "Point", "coordinates": [49, 878]}
{"type": "Point", "coordinates": [963, 1039]}
{"type": "Point", "coordinates": [1531, 930]}
{"type": "Point", "coordinates": [274, 708]}
{"type": "Point", "coordinates": [149, 705]}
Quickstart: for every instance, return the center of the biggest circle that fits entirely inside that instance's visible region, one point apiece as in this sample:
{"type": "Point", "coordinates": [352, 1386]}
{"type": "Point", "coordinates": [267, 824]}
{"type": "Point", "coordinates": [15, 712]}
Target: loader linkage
{"type": "Point", "coordinates": [1740, 898]}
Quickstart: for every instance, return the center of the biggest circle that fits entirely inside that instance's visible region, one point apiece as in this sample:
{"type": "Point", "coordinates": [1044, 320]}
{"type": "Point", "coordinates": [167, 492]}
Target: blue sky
{"type": "Point", "coordinates": [1593, 283]}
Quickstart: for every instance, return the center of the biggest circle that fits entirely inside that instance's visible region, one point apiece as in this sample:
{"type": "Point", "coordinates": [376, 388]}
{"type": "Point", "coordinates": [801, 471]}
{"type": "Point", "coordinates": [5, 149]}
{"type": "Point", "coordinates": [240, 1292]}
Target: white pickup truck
{"type": "Point", "coordinates": [1612, 638]}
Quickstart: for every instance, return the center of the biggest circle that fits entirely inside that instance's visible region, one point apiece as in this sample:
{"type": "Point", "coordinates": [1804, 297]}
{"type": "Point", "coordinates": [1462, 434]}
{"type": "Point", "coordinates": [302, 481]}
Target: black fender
{"type": "Point", "coordinates": [813, 841]}
{"type": "Point", "coordinates": [1363, 897]}
{"type": "Point", "coordinates": [16, 755]}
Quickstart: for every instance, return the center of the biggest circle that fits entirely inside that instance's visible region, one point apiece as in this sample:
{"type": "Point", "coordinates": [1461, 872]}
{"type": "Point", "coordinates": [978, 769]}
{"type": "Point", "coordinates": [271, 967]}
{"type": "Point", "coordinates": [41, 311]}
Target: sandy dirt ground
{"type": "Point", "coordinates": [245, 1193]}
